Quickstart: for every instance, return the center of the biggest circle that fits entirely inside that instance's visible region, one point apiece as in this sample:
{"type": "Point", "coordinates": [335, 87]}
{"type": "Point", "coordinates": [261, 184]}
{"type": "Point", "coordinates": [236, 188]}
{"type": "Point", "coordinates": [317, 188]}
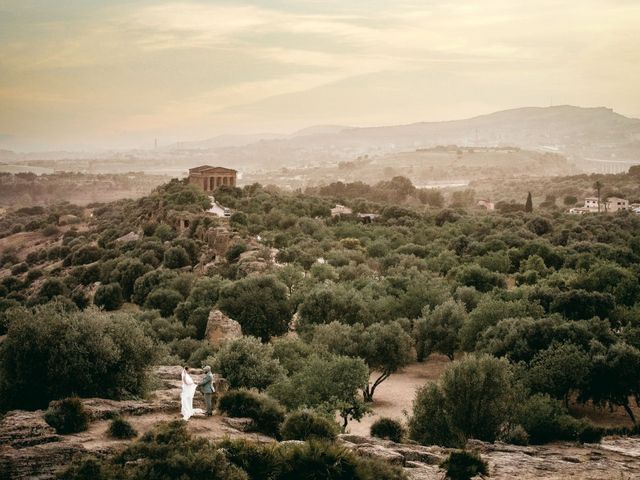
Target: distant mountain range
{"type": "Point", "coordinates": [222, 141]}
{"type": "Point", "coordinates": [590, 137]}
{"type": "Point", "coordinates": [593, 139]}
{"type": "Point", "coordinates": [527, 127]}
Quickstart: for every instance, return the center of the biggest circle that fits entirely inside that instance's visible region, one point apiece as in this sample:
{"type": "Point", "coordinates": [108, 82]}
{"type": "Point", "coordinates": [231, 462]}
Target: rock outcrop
{"type": "Point", "coordinates": [221, 329]}
{"type": "Point", "coordinates": [614, 458]}
{"type": "Point", "coordinates": [241, 424]}
{"type": "Point", "coordinates": [31, 449]}
{"type": "Point", "coordinates": [129, 237]}
{"type": "Point", "coordinates": [20, 429]}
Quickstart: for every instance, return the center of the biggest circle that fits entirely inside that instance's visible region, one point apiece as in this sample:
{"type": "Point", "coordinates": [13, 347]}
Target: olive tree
{"type": "Point", "coordinates": [558, 371]}
{"type": "Point", "coordinates": [247, 363]}
{"type": "Point", "coordinates": [438, 329]}
{"type": "Point", "coordinates": [384, 347]}
{"type": "Point", "coordinates": [472, 399]}
{"type": "Point", "coordinates": [88, 353]}
{"type": "Point", "coordinates": [108, 296]}
{"type": "Point", "coordinates": [327, 382]}
{"type": "Point", "coordinates": [614, 377]}
{"type": "Point", "coordinates": [259, 303]}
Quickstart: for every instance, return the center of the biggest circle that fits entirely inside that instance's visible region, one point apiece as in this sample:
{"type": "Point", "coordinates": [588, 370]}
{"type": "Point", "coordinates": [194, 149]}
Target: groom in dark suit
{"type": "Point", "coordinates": [206, 386]}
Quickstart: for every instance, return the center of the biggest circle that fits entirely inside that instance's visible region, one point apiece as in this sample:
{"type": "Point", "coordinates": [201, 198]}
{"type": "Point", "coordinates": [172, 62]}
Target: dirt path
{"type": "Point", "coordinates": [395, 395]}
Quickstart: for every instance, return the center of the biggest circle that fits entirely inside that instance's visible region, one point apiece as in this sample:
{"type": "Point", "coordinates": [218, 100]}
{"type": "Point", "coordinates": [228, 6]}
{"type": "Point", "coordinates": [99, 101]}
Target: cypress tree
{"type": "Point", "coordinates": [528, 207]}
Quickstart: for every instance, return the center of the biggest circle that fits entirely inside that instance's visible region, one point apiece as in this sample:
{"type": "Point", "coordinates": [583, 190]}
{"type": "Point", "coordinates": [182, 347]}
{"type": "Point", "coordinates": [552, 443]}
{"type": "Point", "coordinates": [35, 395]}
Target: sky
{"type": "Point", "coordinates": [83, 74]}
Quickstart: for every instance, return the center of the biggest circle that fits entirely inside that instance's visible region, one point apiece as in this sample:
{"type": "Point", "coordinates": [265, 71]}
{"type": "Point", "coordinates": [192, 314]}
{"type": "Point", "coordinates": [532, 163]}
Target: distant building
{"type": "Point", "coordinates": [486, 204]}
{"type": "Point", "coordinates": [591, 204]}
{"type": "Point", "coordinates": [368, 217]}
{"type": "Point", "coordinates": [210, 178]}
{"type": "Point", "coordinates": [579, 210]}
{"type": "Point", "coordinates": [340, 210]}
{"type": "Point", "coordinates": [615, 203]}
{"type": "Point", "coordinates": [611, 205]}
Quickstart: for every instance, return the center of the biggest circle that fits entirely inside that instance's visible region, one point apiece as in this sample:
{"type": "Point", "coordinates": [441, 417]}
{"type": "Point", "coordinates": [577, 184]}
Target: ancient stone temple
{"type": "Point", "coordinates": [210, 178]}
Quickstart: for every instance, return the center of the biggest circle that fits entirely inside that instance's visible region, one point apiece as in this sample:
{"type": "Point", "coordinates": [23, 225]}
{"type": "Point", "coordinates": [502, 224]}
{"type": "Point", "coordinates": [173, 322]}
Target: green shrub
{"type": "Point", "coordinates": [307, 424]}
{"type": "Point", "coordinates": [109, 296]}
{"type": "Point", "coordinates": [50, 288]}
{"type": "Point", "coordinates": [184, 348]}
{"type": "Point", "coordinates": [540, 418]}
{"type": "Point", "coordinates": [545, 420]}
{"type": "Point", "coordinates": [121, 428]}
{"type": "Point", "coordinates": [50, 231]}
{"type": "Point", "coordinates": [86, 254]}
{"type": "Point", "coordinates": [163, 299]}
{"type": "Point", "coordinates": [234, 252]}
{"type": "Point", "coordinates": [176, 257]}
{"type": "Point", "coordinates": [291, 353]}
{"type": "Point", "coordinates": [473, 399]}
{"type": "Point", "coordinates": [167, 452]}
{"type": "Point", "coordinates": [483, 280]}
{"type": "Point", "coordinates": [589, 433]}
{"type": "Point", "coordinates": [88, 353]}
{"type": "Point", "coordinates": [540, 225]}
{"type": "Point", "coordinates": [464, 465]}
{"type": "Point", "coordinates": [327, 382]}
{"type": "Point", "coordinates": [516, 435]}
{"type": "Point", "coordinates": [323, 460]}
{"type": "Point", "coordinates": [247, 363]}
{"type": "Point", "coordinates": [259, 461]}
{"type": "Point", "coordinates": [260, 303]}
{"type": "Point", "coordinates": [429, 424]}
{"type": "Point", "coordinates": [67, 416]}
{"type": "Point", "coordinates": [389, 429]}
{"type": "Point", "coordinates": [266, 412]}
{"type": "Point", "coordinates": [164, 232]}
{"type": "Point", "coordinates": [19, 268]}
{"type": "Point", "coordinates": [33, 275]}
{"type": "Point", "coordinates": [200, 354]}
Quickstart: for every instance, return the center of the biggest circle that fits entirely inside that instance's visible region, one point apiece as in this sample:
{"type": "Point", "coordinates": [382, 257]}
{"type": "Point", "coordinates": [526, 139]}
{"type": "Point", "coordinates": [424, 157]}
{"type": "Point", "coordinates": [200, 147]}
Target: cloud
{"type": "Point", "coordinates": [191, 65]}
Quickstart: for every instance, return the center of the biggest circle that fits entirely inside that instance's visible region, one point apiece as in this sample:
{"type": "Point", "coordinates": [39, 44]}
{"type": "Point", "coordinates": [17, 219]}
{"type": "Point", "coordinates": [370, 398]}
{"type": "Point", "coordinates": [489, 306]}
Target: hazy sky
{"type": "Point", "coordinates": [85, 73]}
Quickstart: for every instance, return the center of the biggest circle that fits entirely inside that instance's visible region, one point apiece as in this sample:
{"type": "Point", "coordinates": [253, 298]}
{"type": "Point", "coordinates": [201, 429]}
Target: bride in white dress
{"type": "Point", "coordinates": [188, 390]}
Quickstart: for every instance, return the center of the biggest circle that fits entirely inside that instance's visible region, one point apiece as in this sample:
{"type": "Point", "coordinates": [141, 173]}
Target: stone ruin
{"type": "Point", "coordinates": [221, 329]}
{"type": "Point", "coordinates": [218, 239]}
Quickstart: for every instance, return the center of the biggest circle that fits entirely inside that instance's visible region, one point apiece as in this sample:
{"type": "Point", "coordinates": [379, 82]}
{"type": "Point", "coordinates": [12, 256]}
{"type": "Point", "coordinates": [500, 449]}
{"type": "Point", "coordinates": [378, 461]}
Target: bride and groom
{"type": "Point", "coordinates": [189, 389]}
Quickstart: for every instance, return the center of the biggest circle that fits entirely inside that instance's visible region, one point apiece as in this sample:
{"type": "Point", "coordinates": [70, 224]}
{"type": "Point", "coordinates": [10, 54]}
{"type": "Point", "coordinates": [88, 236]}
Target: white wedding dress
{"type": "Point", "coordinates": [188, 390]}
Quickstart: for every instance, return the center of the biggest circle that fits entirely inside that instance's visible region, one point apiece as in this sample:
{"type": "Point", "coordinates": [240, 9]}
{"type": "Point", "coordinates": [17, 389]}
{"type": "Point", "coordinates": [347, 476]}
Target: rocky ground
{"type": "Point", "coordinates": [29, 448]}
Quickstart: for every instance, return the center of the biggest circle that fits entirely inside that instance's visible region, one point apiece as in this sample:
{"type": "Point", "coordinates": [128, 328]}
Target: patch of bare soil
{"type": "Point", "coordinates": [608, 417]}
{"type": "Point", "coordinates": [23, 243]}
{"type": "Point", "coordinates": [17, 241]}
{"type": "Point", "coordinates": [395, 395]}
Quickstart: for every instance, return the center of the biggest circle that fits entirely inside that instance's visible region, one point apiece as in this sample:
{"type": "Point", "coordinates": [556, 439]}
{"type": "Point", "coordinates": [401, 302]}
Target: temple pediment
{"type": "Point", "coordinates": [209, 170]}
{"type": "Point", "coordinates": [209, 178]}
